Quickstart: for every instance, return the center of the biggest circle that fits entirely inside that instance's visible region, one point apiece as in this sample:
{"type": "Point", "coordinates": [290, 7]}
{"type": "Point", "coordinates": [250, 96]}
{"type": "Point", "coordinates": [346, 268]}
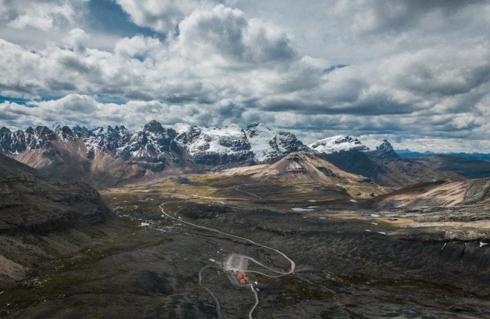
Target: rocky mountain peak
{"type": "Point", "coordinates": [385, 150]}
{"type": "Point", "coordinates": [255, 129]}
{"type": "Point", "coordinates": [45, 132]}
{"type": "Point", "coordinates": [109, 139]}
{"type": "Point", "coordinates": [153, 126]}
{"type": "Point", "coordinates": [4, 131]}
{"type": "Point", "coordinates": [65, 133]}
{"type": "Point", "coordinates": [81, 132]}
{"type": "Point", "coordinates": [385, 146]}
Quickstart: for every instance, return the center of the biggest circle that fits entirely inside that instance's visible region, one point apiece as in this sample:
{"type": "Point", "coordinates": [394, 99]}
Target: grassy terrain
{"type": "Point", "coordinates": [234, 191]}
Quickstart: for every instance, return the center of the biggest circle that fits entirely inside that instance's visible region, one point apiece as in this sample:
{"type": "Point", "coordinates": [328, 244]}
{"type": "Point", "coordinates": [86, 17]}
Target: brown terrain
{"type": "Point", "coordinates": [69, 160]}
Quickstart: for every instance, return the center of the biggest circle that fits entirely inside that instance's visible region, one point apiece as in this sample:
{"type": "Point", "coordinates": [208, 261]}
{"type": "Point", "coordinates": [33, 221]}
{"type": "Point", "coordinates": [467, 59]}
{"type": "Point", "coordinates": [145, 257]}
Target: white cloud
{"type": "Point", "coordinates": [353, 31]}
{"type": "Point", "coordinates": [368, 16]}
{"type": "Point", "coordinates": [227, 35]}
{"type": "Point", "coordinates": [76, 39]}
{"type": "Point", "coordinates": [160, 15]}
{"type": "Point", "coordinates": [138, 47]}
{"type": "Point", "coordinates": [44, 14]}
{"type": "Point", "coordinates": [76, 109]}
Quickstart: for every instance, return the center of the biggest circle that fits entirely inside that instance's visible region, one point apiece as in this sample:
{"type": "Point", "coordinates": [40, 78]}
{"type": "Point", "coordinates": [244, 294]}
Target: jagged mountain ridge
{"type": "Point", "coordinates": [110, 155]}
{"type": "Point", "coordinates": [156, 143]}
{"type": "Point", "coordinates": [256, 143]}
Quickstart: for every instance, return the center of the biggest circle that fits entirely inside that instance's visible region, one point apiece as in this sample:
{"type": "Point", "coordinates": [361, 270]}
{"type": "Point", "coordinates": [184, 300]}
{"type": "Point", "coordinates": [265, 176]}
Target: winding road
{"type": "Point", "coordinates": [278, 273]}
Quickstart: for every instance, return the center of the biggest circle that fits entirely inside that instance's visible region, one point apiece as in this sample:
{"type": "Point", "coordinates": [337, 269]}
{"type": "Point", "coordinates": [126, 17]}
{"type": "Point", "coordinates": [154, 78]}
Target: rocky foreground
{"type": "Point", "coordinates": [31, 205]}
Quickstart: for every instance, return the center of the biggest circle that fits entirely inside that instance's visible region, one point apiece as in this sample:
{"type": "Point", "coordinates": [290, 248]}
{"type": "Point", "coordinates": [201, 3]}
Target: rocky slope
{"type": "Point", "coordinates": [29, 203]}
{"type": "Point", "coordinates": [438, 194]}
{"type": "Point", "coordinates": [385, 167]}
{"type": "Point", "coordinates": [467, 167]}
{"type": "Point", "coordinates": [31, 206]}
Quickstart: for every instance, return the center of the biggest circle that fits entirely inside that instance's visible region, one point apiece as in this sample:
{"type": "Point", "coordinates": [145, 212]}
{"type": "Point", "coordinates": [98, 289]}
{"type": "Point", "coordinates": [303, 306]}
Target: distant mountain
{"type": "Point", "coordinates": [468, 168]}
{"type": "Point", "coordinates": [412, 154]}
{"type": "Point", "coordinates": [388, 167]}
{"type": "Point", "coordinates": [385, 151]}
{"type": "Point", "coordinates": [346, 143]}
{"type": "Point", "coordinates": [255, 144]}
{"type": "Point", "coordinates": [385, 167]}
{"type": "Point", "coordinates": [112, 155]}
{"type": "Point", "coordinates": [469, 156]}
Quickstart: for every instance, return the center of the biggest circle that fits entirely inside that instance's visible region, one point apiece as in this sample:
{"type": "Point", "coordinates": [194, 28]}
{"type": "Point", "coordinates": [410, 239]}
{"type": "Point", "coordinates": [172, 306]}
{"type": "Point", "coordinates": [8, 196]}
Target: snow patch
{"type": "Point", "coordinates": [339, 143]}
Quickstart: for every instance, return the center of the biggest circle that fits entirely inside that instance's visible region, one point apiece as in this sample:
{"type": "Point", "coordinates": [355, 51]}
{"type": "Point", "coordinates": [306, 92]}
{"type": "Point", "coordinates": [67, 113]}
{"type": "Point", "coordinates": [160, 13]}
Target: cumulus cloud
{"type": "Point", "coordinates": [43, 14]}
{"type": "Point", "coordinates": [76, 109]}
{"type": "Point", "coordinates": [437, 80]}
{"type": "Point", "coordinates": [353, 31]}
{"type": "Point", "coordinates": [160, 15]}
{"type": "Point", "coordinates": [369, 16]}
{"type": "Point", "coordinates": [138, 47]}
{"type": "Point", "coordinates": [76, 39]}
{"type": "Point", "coordinates": [227, 33]}
{"type": "Point", "coordinates": [192, 66]}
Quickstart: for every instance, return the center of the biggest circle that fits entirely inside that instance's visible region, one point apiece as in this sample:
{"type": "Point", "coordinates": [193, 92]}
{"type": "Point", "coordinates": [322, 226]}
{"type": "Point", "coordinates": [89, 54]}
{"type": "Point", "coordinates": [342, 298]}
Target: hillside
{"type": "Point", "coordinates": [438, 194]}
{"type": "Point", "coordinates": [467, 167]}
{"type": "Point", "coordinates": [306, 168]}
{"type": "Point", "coordinates": [31, 206]}
{"type": "Point", "coordinates": [391, 171]}
{"type": "Point", "coordinates": [30, 203]}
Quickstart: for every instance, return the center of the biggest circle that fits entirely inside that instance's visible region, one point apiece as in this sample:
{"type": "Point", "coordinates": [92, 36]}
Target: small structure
{"type": "Point", "coordinates": [242, 278]}
{"type": "Point", "coordinates": [236, 267]}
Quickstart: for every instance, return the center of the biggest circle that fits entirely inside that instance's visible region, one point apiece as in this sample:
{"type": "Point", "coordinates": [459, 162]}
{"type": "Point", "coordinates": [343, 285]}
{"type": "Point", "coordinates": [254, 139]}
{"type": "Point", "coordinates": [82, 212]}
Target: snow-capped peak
{"type": "Point", "coordinates": [385, 150]}
{"type": "Point", "coordinates": [267, 144]}
{"type": "Point", "coordinates": [339, 143]}
{"type": "Point", "coordinates": [215, 145]}
{"type": "Point", "coordinates": [155, 143]}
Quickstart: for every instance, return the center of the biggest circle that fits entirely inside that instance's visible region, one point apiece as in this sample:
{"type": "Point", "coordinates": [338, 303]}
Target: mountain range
{"type": "Point", "coordinates": [112, 155]}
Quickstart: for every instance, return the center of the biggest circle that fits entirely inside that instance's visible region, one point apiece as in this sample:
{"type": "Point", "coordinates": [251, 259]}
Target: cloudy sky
{"type": "Point", "coordinates": [414, 71]}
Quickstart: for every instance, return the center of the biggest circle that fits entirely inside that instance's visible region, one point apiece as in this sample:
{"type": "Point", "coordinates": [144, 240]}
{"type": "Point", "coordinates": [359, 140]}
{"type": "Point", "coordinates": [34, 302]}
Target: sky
{"type": "Point", "coordinates": [416, 72]}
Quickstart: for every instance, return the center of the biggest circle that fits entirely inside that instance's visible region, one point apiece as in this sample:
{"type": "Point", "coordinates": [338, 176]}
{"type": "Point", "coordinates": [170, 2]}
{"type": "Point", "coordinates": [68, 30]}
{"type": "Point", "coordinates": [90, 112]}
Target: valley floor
{"type": "Point", "coordinates": [351, 262]}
